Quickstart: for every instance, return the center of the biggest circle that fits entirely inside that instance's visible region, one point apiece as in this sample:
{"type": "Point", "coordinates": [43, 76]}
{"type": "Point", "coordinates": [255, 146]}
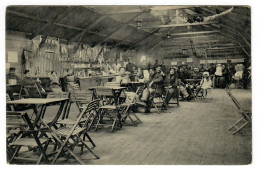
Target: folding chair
{"type": "Point", "coordinates": [69, 137]}
{"type": "Point", "coordinates": [26, 90]}
{"type": "Point", "coordinates": [126, 108]}
{"type": "Point", "coordinates": [178, 94]}
{"type": "Point", "coordinates": [109, 108]}
{"type": "Point", "coordinates": [81, 99]}
{"type": "Point", "coordinates": [158, 101]}
{"type": "Point", "coordinates": [244, 120]}
{"type": "Point", "coordinates": [22, 133]}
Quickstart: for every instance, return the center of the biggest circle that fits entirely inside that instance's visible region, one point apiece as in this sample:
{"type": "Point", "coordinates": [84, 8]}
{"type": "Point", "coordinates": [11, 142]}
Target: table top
{"type": "Point", "coordinates": [37, 100]}
{"type": "Point", "coordinates": [10, 85]}
{"type": "Point", "coordinates": [107, 87]}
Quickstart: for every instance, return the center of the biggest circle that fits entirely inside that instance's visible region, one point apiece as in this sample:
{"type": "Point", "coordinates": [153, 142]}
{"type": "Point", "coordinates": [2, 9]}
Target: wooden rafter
{"type": "Point", "coordinates": [195, 33]}
{"type": "Point", "coordinates": [86, 29]}
{"type": "Point", "coordinates": [122, 27]}
{"type": "Point", "coordinates": [57, 16]}
{"type": "Point", "coordinates": [138, 10]}
{"type": "Point", "coordinates": [183, 25]}
{"type": "Point", "coordinates": [147, 36]}
{"type": "Point", "coordinates": [159, 43]}
{"type": "Point", "coordinates": [243, 49]}
{"type": "Point", "coordinates": [59, 24]}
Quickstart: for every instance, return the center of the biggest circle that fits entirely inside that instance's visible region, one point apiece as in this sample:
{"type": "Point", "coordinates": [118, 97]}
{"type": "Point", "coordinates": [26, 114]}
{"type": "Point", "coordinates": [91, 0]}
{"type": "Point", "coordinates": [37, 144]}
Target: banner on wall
{"type": "Point", "coordinates": [12, 57]}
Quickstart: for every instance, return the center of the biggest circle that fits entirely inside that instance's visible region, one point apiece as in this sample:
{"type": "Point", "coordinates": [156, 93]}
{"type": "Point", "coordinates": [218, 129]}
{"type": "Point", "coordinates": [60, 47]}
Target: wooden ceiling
{"type": "Point", "coordinates": [116, 26]}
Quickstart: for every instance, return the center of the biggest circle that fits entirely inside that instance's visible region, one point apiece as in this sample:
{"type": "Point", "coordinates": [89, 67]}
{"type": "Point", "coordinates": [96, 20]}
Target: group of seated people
{"type": "Point", "coordinates": [36, 89]}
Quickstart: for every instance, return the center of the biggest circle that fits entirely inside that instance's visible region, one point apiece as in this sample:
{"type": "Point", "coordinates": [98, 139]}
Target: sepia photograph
{"type": "Point", "coordinates": [128, 85]}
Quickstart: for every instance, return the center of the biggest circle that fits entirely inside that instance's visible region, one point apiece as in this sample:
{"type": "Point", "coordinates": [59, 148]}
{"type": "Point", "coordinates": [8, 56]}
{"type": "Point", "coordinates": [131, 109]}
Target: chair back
{"type": "Point", "coordinates": [140, 90]}
{"type": "Point", "coordinates": [16, 120]}
{"type": "Point", "coordinates": [86, 110]}
{"type": "Point", "coordinates": [82, 96]}
{"type": "Point", "coordinates": [27, 88]}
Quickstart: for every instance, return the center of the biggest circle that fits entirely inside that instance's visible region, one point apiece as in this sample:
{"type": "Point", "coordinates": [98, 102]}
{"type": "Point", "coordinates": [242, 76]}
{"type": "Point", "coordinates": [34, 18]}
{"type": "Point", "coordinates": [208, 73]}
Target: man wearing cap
{"type": "Point", "coordinates": [154, 82]}
{"type": "Point", "coordinates": [11, 76]}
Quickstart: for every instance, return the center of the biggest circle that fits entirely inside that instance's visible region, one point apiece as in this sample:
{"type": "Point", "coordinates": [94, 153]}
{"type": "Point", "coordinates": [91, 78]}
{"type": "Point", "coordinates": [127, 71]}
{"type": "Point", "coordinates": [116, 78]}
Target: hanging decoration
{"type": "Point", "coordinates": [181, 18]}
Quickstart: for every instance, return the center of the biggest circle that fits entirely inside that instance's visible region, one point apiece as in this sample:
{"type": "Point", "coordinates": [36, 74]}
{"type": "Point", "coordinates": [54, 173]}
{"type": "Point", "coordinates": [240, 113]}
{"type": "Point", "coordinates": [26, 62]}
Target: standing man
{"type": "Point", "coordinates": [116, 66]}
{"type": "Point", "coordinates": [130, 68]}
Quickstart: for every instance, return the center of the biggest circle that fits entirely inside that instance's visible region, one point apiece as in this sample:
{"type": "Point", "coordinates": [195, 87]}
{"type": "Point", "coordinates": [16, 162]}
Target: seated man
{"type": "Point", "coordinates": [12, 77]}
{"type": "Point", "coordinates": [123, 77]}
{"type": "Point", "coordinates": [33, 92]}
{"type": "Point", "coordinates": [155, 81]}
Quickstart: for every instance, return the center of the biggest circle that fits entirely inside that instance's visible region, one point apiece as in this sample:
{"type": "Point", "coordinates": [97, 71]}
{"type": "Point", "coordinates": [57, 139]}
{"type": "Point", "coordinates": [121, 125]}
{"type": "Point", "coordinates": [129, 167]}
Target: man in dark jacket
{"type": "Point", "coordinates": [130, 68]}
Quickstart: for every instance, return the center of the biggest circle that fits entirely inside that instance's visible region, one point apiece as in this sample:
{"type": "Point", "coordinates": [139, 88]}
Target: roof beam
{"type": "Point", "coordinates": [58, 16]}
{"type": "Point", "coordinates": [58, 24]}
{"type": "Point", "coordinates": [86, 29]}
{"type": "Point", "coordinates": [195, 33]}
{"type": "Point", "coordinates": [183, 25]}
{"type": "Point", "coordinates": [243, 49]}
{"type": "Point", "coordinates": [138, 10]}
{"type": "Point", "coordinates": [159, 43]}
{"type": "Point", "coordinates": [109, 36]}
{"type": "Point", "coordinates": [223, 48]}
{"type": "Point", "coordinates": [147, 36]}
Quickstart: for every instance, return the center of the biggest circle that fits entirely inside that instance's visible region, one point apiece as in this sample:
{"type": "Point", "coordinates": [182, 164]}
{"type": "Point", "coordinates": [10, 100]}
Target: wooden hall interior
{"type": "Point", "coordinates": [154, 85]}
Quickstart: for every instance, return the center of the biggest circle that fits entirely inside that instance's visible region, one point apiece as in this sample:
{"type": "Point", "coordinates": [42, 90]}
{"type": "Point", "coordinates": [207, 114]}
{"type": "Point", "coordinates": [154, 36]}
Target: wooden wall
{"type": "Point", "coordinates": [16, 41]}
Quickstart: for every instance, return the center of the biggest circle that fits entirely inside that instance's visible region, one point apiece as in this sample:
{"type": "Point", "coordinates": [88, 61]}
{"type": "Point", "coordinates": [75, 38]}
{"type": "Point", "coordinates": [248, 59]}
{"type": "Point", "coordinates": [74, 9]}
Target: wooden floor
{"type": "Point", "coordinates": [195, 133]}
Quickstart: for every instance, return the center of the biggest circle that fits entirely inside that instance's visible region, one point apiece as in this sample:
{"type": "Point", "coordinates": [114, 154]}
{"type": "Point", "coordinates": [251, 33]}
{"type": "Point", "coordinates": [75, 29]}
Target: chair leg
{"type": "Point", "coordinates": [90, 140]}
{"type": "Point", "coordinates": [136, 117]}
{"type": "Point", "coordinates": [113, 125]}
{"type": "Point", "coordinates": [91, 151]}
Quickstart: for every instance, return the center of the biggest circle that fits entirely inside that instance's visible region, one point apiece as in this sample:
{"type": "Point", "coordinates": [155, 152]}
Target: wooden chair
{"type": "Point", "coordinates": [178, 94]}
{"type": "Point", "coordinates": [158, 101]}
{"type": "Point", "coordinates": [245, 118]}
{"type": "Point", "coordinates": [22, 133]}
{"type": "Point", "coordinates": [126, 108]}
{"type": "Point", "coordinates": [26, 90]}
{"type": "Point", "coordinates": [81, 99]}
{"type": "Point", "coordinates": [69, 135]}
{"type": "Point", "coordinates": [109, 108]}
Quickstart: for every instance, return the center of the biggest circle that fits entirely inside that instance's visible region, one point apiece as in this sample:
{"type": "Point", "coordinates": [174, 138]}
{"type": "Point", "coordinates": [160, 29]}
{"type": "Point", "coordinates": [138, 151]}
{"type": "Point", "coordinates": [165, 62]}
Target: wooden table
{"type": "Point", "coordinates": [39, 114]}
{"type": "Point", "coordinates": [43, 103]}
{"type": "Point", "coordinates": [115, 91]}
